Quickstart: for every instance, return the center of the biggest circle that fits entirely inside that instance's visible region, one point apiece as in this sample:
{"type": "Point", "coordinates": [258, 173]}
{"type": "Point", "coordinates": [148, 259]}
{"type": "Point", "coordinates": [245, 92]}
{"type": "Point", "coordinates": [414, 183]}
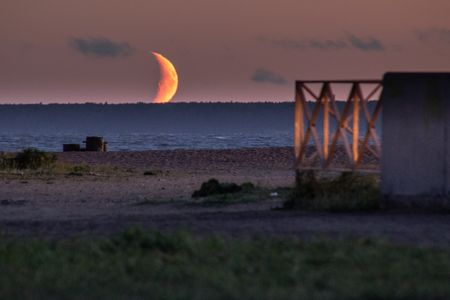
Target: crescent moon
{"type": "Point", "coordinates": [168, 83]}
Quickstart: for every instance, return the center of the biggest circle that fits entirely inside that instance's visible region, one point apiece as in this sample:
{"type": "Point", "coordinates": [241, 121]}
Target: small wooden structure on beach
{"type": "Point", "coordinates": [415, 148]}
{"type": "Point", "coordinates": [93, 143]}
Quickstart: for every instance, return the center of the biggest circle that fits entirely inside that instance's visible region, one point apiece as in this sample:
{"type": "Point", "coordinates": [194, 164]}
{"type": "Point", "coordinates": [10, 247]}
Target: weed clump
{"type": "Point", "coordinates": [150, 173]}
{"type": "Point", "coordinates": [348, 192]}
{"type": "Point", "coordinates": [6, 161]}
{"type": "Point", "coordinates": [214, 187]}
{"type": "Point", "coordinates": [79, 170]}
{"type": "Point", "coordinates": [30, 158]}
{"type": "Point", "coordinates": [153, 172]}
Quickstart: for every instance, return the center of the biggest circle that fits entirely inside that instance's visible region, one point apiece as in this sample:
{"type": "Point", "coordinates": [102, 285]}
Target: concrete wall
{"type": "Point", "coordinates": [416, 139]}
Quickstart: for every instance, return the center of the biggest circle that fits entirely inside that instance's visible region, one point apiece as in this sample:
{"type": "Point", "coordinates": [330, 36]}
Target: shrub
{"type": "Point", "coordinates": [214, 187]}
{"type": "Point", "coordinates": [348, 192]}
{"type": "Point", "coordinates": [7, 161]}
{"type": "Point", "coordinates": [34, 159]}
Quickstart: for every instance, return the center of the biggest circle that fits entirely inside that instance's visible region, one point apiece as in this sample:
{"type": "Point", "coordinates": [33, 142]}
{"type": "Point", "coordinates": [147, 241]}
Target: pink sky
{"type": "Point", "coordinates": [223, 50]}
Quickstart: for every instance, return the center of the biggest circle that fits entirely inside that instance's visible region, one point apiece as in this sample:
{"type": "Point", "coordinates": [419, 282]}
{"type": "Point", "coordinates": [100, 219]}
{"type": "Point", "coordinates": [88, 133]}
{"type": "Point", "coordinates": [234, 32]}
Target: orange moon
{"type": "Point", "coordinates": [168, 83]}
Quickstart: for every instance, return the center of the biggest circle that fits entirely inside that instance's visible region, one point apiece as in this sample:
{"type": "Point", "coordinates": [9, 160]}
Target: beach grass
{"type": "Point", "coordinates": [344, 193]}
{"type": "Point", "coordinates": [28, 159]}
{"type": "Point", "coordinates": [60, 169]}
{"type": "Point", "coordinates": [154, 265]}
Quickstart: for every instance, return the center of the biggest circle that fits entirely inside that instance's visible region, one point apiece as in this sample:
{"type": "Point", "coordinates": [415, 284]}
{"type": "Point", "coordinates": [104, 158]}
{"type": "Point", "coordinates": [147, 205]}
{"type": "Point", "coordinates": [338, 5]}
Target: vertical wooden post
{"type": "Point", "coordinates": [326, 122]}
{"type": "Point", "coordinates": [298, 119]}
{"type": "Point", "coordinates": [355, 127]}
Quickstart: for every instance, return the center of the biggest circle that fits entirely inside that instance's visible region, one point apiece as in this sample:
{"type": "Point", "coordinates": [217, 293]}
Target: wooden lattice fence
{"type": "Point", "coordinates": [315, 151]}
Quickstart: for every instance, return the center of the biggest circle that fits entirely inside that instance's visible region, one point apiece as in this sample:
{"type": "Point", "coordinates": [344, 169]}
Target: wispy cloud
{"type": "Point", "coordinates": [327, 44]}
{"type": "Point", "coordinates": [350, 41]}
{"type": "Point", "coordinates": [365, 44]}
{"type": "Point", "coordinates": [434, 35]}
{"type": "Point", "coordinates": [285, 43]}
{"type": "Point", "coordinates": [101, 47]}
{"type": "Point", "coordinates": [266, 76]}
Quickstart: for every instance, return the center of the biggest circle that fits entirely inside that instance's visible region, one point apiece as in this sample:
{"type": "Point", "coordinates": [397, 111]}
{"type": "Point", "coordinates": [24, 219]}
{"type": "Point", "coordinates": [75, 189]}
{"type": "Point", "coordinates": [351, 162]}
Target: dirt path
{"type": "Point", "coordinates": [239, 220]}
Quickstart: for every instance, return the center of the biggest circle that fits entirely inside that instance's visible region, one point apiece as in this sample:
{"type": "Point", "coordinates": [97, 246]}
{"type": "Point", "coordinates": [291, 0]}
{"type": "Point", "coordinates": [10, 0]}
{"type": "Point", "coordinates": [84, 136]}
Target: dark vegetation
{"type": "Point", "coordinates": [140, 265]}
{"type": "Point", "coordinates": [149, 118]}
{"type": "Point", "coordinates": [223, 193]}
{"type": "Point", "coordinates": [31, 158]}
{"type": "Point", "coordinates": [214, 187]}
{"type": "Point", "coordinates": [34, 163]}
{"type": "Point", "coordinates": [153, 172]}
{"type": "Point", "coordinates": [79, 170]}
{"type": "Point", "coordinates": [347, 192]}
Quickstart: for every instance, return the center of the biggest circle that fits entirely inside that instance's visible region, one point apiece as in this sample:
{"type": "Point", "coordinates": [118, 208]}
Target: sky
{"type": "Point", "coordinates": [66, 51]}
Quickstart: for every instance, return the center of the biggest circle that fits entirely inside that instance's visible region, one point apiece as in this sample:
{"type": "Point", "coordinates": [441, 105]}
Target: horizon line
{"type": "Point", "coordinates": [148, 103]}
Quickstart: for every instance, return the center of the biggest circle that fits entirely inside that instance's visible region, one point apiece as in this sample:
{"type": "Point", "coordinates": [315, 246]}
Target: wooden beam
{"type": "Point", "coordinates": [364, 81]}
{"type": "Point", "coordinates": [326, 120]}
{"type": "Point", "coordinates": [342, 125]}
{"type": "Point", "coordinates": [311, 130]}
{"type": "Point", "coordinates": [298, 121]}
{"type": "Point", "coordinates": [307, 89]}
{"type": "Point", "coordinates": [355, 127]}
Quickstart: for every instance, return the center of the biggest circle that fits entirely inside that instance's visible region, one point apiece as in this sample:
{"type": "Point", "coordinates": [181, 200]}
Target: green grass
{"type": "Point", "coordinates": [138, 265]}
{"type": "Point", "coordinates": [30, 159]}
{"type": "Point", "coordinates": [345, 193]}
{"type": "Point", "coordinates": [60, 169]}
{"type": "Point", "coordinates": [34, 163]}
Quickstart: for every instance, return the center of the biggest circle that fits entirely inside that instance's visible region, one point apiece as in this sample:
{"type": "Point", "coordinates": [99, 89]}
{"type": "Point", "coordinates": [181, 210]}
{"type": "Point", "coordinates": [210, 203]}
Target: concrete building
{"type": "Point", "coordinates": [415, 166]}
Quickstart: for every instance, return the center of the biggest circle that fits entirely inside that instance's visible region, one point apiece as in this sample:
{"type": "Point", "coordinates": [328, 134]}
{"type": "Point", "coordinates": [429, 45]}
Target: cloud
{"type": "Point", "coordinates": [101, 47]}
{"type": "Point", "coordinates": [433, 35]}
{"type": "Point", "coordinates": [328, 44]}
{"type": "Point", "coordinates": [285, 43]}
{"type": "Point", "coordinates": [351, 41]}
{"type": "Point", "coordinates": [265, 76]}
{"type": "Point", "coordinates": [365, 44]}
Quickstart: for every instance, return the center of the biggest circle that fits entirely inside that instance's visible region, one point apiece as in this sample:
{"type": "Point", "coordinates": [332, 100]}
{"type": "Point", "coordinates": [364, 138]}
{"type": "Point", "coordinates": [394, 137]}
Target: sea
{"type": "Point", "coordinates": [141, 127]}
{"type": "Point", "coordinates": [146, 141]}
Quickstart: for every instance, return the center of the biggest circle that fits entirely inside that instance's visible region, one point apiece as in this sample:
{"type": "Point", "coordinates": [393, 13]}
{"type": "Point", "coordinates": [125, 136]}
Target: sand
{"type": "Point", "coordinates": [107, 202]}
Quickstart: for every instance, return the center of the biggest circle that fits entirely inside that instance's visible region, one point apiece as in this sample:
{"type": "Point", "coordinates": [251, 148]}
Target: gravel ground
{"type": "Point", "coordinates": [103, 204]}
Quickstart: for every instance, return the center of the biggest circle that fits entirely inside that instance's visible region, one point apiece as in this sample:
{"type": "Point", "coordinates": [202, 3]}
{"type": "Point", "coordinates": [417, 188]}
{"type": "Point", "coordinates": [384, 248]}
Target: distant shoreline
{"type": "Point", "coordinates": [149, 103]}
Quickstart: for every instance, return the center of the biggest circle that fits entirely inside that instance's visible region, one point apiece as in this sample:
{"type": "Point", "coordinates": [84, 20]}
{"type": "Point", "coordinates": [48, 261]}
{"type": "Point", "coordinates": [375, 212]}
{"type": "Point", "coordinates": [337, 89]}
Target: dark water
{"type": "Point", "coordinates": [138, 142]}
{"type": "Point", "coordinates": [136, 127]}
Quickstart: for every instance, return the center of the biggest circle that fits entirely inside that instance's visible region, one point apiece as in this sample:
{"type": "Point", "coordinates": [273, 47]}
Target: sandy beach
{"type": "Point", "coordinates": [115, 194]}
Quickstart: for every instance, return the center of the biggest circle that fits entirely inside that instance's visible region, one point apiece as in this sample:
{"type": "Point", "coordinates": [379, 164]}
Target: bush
{"type": "Point", "coordinates": [7, 162]}
{"type": "Point", "coordinates": [214, 187]}
{"type": "Point", "coordinates": [348, 192]}
{"type": "Point", "coordinates": [34, 159]}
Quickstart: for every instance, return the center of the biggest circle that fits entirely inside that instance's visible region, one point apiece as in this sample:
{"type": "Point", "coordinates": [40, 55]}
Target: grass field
{"type": "Point", "coordinates": [152, 265]}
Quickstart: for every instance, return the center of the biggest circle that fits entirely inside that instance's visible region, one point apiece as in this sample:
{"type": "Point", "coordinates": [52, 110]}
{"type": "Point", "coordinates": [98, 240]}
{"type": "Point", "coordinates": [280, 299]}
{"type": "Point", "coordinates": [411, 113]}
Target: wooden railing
{"type": "Point", "coordinates": [313, 151]}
